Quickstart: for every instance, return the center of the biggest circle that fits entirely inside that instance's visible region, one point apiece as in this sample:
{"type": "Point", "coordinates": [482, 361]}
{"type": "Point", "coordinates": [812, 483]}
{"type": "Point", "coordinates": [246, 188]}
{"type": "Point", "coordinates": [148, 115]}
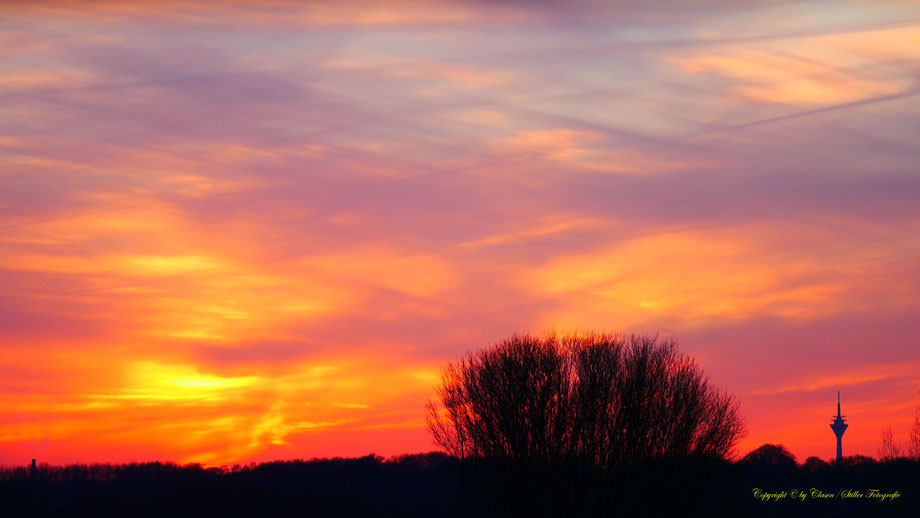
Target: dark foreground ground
{"type": "Point", "coordinates": [435, 485]}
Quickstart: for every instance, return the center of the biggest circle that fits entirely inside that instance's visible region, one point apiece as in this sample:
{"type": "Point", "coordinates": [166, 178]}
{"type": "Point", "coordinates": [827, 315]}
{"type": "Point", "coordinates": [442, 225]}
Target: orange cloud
{"type": "Point", "coordinates": [257, 12]}
{"type": "Point", "coordinates": [548, 229]}
{"type": "Point", "coordinates": [215, 419]}
{"type": "Point", "coordinates": [698, 276]}
{"type": "Point", "coordinates": [853, 377]}
{"type": "Point", "coordinates": [556, 144]}
{"type": "Point", "coordinates": [587, 151]}
{"type": "Point", "coordinates": [816, 70]}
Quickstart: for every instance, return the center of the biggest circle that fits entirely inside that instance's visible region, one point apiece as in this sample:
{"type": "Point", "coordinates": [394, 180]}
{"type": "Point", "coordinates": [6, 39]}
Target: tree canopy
{"type": "Point", "coordinates": [602, 399]}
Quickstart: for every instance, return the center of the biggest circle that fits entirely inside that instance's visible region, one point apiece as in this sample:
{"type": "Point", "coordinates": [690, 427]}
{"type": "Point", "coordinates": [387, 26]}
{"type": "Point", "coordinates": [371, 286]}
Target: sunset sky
{"type": "Point", "coordinates": [235, 232]}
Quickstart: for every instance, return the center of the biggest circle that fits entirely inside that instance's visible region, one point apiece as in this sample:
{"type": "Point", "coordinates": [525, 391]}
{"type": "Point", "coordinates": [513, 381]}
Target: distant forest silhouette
{"type": "Point", "coordinates": [425, 485]}
{"type": "Point", "coordinates": [572, 425]}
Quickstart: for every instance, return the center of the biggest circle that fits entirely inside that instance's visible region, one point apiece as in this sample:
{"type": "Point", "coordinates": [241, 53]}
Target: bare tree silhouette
{"type": "Point", "coordinates": [601, 398]}
{"type": "Point", "coordinates": [578, 421]}
{"type": "Point", "coordinates": [913, 440]}
{"type": "Point", "coordinates": [889, 450]}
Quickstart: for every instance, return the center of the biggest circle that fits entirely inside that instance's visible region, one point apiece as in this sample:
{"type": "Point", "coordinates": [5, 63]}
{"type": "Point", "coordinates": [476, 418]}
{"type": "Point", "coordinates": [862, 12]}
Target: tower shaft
{"type": "Point", "coordinates": [839, 447]}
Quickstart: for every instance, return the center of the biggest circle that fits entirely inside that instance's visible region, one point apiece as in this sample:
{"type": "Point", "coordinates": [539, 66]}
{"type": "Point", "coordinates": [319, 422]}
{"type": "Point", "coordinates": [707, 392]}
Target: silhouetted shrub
{"type": "Point", "coordinates": [599, 398]}
{"type": "Point", "coordinates": [814, 465]}
{"type": "Point", "coordinates": [551, 426]}
{"type": "Point", "coordinates": [775, 455]}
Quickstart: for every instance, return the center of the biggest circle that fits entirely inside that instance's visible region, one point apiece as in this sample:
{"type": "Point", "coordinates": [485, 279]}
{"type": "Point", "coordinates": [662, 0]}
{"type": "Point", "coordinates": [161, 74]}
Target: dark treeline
{"type": "Point", "coordinates": [433, 485]}
{"type": "Point", "coordinates": [409, 485]}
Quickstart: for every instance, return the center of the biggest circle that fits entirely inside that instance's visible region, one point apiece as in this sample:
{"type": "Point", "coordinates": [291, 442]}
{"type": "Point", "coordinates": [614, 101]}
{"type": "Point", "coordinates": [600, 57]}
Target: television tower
{"type": "Point", "coordinates": [839, 426]}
